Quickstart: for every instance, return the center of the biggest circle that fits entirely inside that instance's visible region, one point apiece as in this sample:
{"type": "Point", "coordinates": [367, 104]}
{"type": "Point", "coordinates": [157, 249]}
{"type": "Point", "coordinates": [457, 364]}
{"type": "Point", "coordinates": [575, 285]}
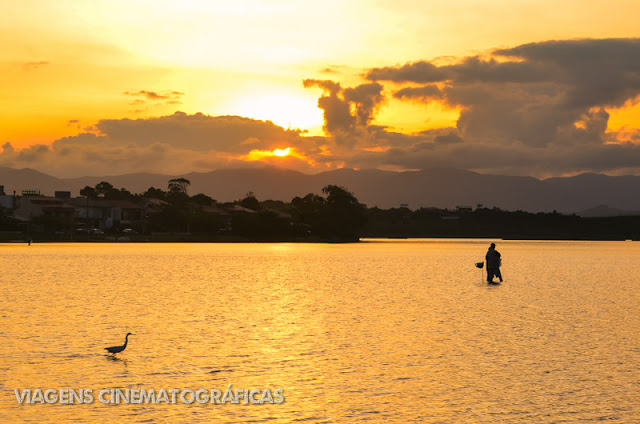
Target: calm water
{"type": "Point", "coordinates": [383, 331]}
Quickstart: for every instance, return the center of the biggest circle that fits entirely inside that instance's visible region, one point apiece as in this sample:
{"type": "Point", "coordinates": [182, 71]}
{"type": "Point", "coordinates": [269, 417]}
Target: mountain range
{"type": "Point", "coordinates": [595, 194]}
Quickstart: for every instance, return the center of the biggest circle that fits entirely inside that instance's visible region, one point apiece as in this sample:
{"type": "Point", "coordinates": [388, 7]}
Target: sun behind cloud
{"type": "Point", "coordinates": [282, 152]}
{"type": "Point", "coordinates": [264, 154]}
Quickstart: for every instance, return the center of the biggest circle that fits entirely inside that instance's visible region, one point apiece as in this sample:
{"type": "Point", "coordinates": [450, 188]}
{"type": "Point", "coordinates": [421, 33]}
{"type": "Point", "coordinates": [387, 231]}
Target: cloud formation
{"type": "Point", "coordinates": [537, 109]}
{"type": "Point", "coordinates": [174, 144]}
{"type": "Point", "coordinates": [554, 92]}
{"type": "Point", "coordinates": [167, 97]}
{"type": "Point", "coordinates": [347, 111]}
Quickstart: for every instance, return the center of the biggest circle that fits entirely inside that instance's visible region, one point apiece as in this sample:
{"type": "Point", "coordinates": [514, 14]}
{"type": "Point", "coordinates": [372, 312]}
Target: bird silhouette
{"type": "Point", "coordinates": [118, 349]}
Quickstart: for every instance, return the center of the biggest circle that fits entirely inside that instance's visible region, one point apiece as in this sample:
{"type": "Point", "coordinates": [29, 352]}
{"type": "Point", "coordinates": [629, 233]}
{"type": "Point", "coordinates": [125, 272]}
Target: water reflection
{"type": "Point", "coordinates": [394, 331]}
{"type": "Point", "coordinates": [114, 358]}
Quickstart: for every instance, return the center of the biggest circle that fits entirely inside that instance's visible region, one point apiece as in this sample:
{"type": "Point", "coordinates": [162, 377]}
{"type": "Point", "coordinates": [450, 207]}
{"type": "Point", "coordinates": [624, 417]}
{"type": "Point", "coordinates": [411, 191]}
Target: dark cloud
{"type": "Point", "coordinates": [539, 94]}
{"type": "Point", "coordinates": [198, 132]}
{"type": "Point", "coordinates": [168, 144]}
{"type": "Point", "coordinates": [347, 111]}
{"type": "Point", "coordinates": [168, 97]}
{"type": "Point", "coordinates": [331, 86]}
{"type": "Point", "coordinates": [504, 159]}
{"type": "Point", "coordinates": [420, 72]}
{"type": "Point", "coordinates": [338, 119]}
{"type": "Point", "coordinates": [594, 72]}
{"type": "Point", "coordinates": [393, 139]}
{"type": "Point", "coordinates": [366, 98]}
{"type": "Point", "coordinates": [425, 93]}
{"type": "Point", "coordinates": [74, 123]}
{"type": "Point", "coordinates": [448, 138]}
{"type": "Point", "coordinates": [536, 109]}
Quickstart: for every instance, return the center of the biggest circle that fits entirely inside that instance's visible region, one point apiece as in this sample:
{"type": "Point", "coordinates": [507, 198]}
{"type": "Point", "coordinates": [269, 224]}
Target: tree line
{"type": "Point", "coordinates": [333, 215]}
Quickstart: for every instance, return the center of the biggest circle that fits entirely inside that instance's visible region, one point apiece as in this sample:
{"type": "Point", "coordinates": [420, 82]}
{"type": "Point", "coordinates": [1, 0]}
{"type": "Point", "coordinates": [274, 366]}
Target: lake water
{"type": "Point", "coordinates": [389, 331]}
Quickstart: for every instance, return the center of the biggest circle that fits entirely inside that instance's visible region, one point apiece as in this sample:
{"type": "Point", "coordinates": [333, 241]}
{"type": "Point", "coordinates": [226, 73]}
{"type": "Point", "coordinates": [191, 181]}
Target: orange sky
{"type": "Point", "coordinates": [66, 65]}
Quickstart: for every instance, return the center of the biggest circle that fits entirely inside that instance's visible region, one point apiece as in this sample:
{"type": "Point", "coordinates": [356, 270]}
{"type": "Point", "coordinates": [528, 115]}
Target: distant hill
{"type": "Point", "coordinates": [448, 187]}
{"type": "Point", "coordinates": [29, 179]}
{"type": "Point", "coordinates": [438, 187]}
{"type": "Point", "coordinates": [605, 211]}
{"type": "Point", "coordinates": [621, 192]}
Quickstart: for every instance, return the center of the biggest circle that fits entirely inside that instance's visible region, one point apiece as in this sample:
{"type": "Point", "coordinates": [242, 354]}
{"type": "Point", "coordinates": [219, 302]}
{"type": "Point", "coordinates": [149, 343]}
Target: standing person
{"type": "Point", "coordinates": [493, 263]}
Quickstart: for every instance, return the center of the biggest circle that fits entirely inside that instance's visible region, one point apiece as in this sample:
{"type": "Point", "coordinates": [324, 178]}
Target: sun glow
{"type": "Point", "coordinates": [282, 152]}
{"type": "Point", "coordinates": [286, 109]}
{"type": "Point", "coordinates": [265, 154]}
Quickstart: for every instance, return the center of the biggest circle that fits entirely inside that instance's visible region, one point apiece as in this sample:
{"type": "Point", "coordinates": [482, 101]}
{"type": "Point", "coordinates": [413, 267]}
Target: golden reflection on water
{"type": "Point", "coordinates": [382, 331]}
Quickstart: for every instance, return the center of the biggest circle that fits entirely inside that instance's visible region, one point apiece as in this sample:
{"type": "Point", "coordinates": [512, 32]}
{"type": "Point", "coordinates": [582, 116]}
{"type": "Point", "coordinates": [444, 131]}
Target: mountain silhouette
{"type": "Point", "coordinates": [434, 187]}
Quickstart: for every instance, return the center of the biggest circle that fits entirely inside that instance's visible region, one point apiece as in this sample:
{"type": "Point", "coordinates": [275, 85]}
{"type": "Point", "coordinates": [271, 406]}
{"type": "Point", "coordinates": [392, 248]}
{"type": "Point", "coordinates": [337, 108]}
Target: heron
{"type": "Point", "coordinates": [118, 349]}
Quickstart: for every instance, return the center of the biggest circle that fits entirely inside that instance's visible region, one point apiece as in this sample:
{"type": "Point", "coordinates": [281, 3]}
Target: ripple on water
{"type": "Point", "coordinates": [393, 332]}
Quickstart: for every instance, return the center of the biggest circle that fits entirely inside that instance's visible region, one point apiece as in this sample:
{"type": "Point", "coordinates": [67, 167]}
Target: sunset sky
{"type": "Point", "coordinates": [520, 87]}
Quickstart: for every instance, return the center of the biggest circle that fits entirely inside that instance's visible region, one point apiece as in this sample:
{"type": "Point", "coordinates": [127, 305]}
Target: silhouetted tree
{"type": "Point", "coordinates": [112, 194]}
{"type": "Point", "coordinates": [103, 187]}
{"type": "Point", "coordinates": [343, 215]}
{"type": "Point", "coordinates": [311, 203]}
{"type": "Point", "coordinates": [250, 202]}
{"type": "Point", "coordinates": [264, 225]}
{"type": "Point", "coordinates": [179, 185]}
{"type": "Point", "coordinates": [276, 205]}
{"type": "Point", "coordinates": [126, 194]}
{"type": "Point", "coordinates": [115, 194]}
{"type": "Point", "coordinates": [171, 218]}
{"type": "Point", "coordinates": [306, 210]}
{"type": "Point", "coordinates": [177, 194]}
{"type": "Point", "coordinates": [203, 199]}
{"type": "Point", "coordinates": [205, 222]}
{"type": "Point", "coordinates": [89, 192]}
{"type": "Point", "coordinates": [339, 196]}
{"type": "Point", "coordinates": [155, 193]}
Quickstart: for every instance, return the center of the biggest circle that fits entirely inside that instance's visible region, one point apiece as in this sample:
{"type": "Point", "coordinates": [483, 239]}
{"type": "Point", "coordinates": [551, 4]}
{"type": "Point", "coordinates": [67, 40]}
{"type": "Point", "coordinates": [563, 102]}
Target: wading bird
{"type": "Point", "coordinates": [118, 349]}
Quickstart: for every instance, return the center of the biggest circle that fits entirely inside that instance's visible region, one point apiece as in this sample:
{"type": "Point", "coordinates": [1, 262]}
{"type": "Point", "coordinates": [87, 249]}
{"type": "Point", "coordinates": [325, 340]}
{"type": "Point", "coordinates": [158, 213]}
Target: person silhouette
{"type": "Point", "coordinates": [493, 263]}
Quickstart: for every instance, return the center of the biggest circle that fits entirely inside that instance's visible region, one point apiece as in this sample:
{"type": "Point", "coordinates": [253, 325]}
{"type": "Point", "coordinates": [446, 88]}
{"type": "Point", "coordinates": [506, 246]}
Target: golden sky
{"type": "Point", "coordinates": [65, 66]}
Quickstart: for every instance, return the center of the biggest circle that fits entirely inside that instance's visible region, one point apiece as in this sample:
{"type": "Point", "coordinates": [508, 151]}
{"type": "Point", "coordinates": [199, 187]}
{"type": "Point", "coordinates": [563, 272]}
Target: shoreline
{"type": "Point", "coordinates": [235, 240]}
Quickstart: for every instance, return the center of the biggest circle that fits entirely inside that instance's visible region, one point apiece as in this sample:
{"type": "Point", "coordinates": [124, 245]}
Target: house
{"type": "Point", "coordinates": [222, 214]}
{"type": "Point", "coordinates": [32, 206]}
{"type": "Point", "coordinates": [105, 213]}
{"type": "Point", "coordinates": [153, 205]}
{"type": "Point", "coordinates": [236, 209]}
